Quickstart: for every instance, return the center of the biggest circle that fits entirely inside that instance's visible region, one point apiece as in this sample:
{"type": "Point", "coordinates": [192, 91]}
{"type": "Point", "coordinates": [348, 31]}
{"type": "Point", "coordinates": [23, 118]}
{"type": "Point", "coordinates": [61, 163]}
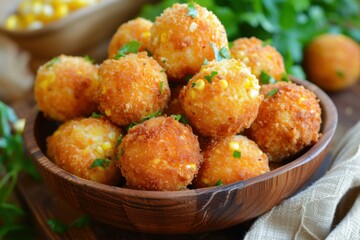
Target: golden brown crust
{"type": "Point", "coordinates": [287, 121]}
{"type": "Point", "coordinates": [134, 30]}
{"type": "Point", "coordinates": [181, 43]}
{"type": "Point", "coordinates": [159, 154]}
{"type": "Point", "coordinates": [65, 89]}
{"type": "Point", "coordinates": [332, 62]}
{"type": "Point", "coordinates": [132, 88]}
{"type": "Point", "coordinates": [225, 106]}
{"type": "Point", "coordinates": [221, 165]}
{"type": "Point", "coordinates": [78, 143]}
{"type": "Point", "coordinates": [259, 57]}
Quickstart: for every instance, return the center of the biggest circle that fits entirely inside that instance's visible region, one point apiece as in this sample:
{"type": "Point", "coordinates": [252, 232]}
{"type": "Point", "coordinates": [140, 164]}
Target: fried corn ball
{"type": "Point", "coordinates": [259, 57]}
{"type": "Point", "coordinates": [181, 39]}
{"type": "Point", "coordinates": [86, 148]}
{"type": "Point", "coordinates": [230, 159]}
{"type": "Point", "coordinates": [332, 62]}
{"type": "Point", "coordinates": [289, 119]}
{"type": "Point", "coordinates": [65, 88]}
{"type": "Point", "coordinates": [159, 154]}
{"type": "Point", "coordinates": [222, 99]}
{"type": "Point", "coordinates": [133, 30]}
{"type": "Point", "coordinates": [132, 88]}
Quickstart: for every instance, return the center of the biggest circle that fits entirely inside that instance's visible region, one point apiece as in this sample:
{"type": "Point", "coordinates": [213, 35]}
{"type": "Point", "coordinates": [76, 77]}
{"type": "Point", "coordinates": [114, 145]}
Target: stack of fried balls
{"type": "Point", "coordinates": [173, 108]}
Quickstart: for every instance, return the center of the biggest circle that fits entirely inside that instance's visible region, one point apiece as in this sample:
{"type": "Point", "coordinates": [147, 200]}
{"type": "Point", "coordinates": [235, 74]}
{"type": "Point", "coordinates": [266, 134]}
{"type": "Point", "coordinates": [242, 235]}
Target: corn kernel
{"type": "Point", "coordinates": [108, 112]}
{"type": "Point", "coordinates": [193, 94]}
{"type": "Point", "coordinates": [247, 84]}
{"type": "Point", "coordinates": [146, 34]}
{"type": "Point", "coordinates": [234, 146]}
{"type": "Point", "coordinates": [13, 22]}
{"type": "Point", "coordinates": [191, 166]}
{"type": "Point", "coordinates": [61, 10]}
{"type": "Point", "coordinates": [199, 84]}
{"type": "Point", "coordinates": [223, 83]}
{"type": "Point", "coordinates": [99, 150]}
{"type": "Point", "coordinates": [106, 146]}
{"type": "Point", "coordinates": [300, 100]}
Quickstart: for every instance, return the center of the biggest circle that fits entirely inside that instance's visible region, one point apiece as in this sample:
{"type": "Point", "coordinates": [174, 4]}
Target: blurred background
{"type": "Point", "coordinates": [34, 31]}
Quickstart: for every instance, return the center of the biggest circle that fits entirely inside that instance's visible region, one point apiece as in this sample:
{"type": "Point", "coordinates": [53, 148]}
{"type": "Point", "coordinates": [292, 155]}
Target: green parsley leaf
{"type": "Point", "coordinates": [218, 183]}
{"type": "Point", "coordinates": [184, 120]}
{"type": "Point", "coordinates": [104, 163]}
{"type": "Point", "coordinates": [131, 125]}
{"type": "Point", "coordinates": [52, 62]}
{"type": "Point", "coordinates": [212, 75]}
{"type": "Point", "coordinates": [96, 115]}
{"type": "Point", "coordinates": [88, 59]}
{"type": "Point", "coordinates": [266, 78]}
{"type": "Point", "coordinates": [206, 62]}
{"type": "Point", "coordinates": [272, 92]}
{"type": "Point", "coordinates": [340, 74]}
{"type": "Point", "coordinates": [193, 84]}
{"type": "Point", "coordinates": [192, 10]}
{"type": "Point", "coordinates": [176, 117]}
{"type": "Point", "coordinates": [118, 141]}
{"type": "Point", "coordinates": [148, 52]}
{"type": "Point", "coordinates": [57, 226]}
{"type": "Point", "coordinates": [220, 55]}
{"type": "Point", "coordinates": [151, 115]}
{"type": "Point", "coordinates": [188, 77]}
{"type": "Point", "coordinates": [161, 87]}
{"type": "Point", "coordinates": [121, 152]}
{"type": "Point", "coordinates": [130, 47]}
{"type": "Point", "coordinates": [237, 154]}
{"type": "Point", "coordinates": [285, 78]}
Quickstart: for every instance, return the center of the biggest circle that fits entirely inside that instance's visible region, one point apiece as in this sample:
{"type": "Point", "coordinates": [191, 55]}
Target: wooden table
{"type": "Point", "coordinates": [44, 205]}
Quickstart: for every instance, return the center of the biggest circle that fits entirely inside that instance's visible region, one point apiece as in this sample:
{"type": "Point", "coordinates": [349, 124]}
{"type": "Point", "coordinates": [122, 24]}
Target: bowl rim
{"type": "Point", "coordinates": [63, 22]}
{"type": "Point", "coordinates": [327, 129]}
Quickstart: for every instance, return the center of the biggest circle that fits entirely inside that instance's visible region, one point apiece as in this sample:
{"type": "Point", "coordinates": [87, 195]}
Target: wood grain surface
{"type": "Point", "coordinates": [184, 211]}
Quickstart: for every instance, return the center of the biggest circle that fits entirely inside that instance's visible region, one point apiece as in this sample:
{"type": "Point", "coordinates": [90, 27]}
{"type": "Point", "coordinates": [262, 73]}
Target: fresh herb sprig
{"type": "Point", "coordinates": [130, 47]}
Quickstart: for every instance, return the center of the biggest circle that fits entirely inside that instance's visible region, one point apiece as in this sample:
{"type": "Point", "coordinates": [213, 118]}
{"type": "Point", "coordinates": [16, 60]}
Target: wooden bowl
{"type": "Point", "coordinates": [187, 211]}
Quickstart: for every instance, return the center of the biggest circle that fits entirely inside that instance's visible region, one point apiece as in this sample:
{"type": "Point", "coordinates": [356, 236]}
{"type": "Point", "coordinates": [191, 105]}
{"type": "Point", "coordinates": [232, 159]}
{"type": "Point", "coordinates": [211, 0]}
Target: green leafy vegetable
{"type": "Point", "coordinates": [285, 78]}
{"type": "Point", "coordinates": [218, 183]}
{"type": "Point", "coordinates": [271, 93]}
{"type": "Point", "coordinates": [96, 115]}
{"type": "Point", "coordinates": [266, 78]}
{"type": "Point", "coordinates": [151, 115]}
{"type": "Point", "coordinates": [221, 54]}
{"type": "Point", "coordinates": [130, 47]}
{"type": "Point", "coordinates": [52, 62]}
{"type": "Point", "coordinates": [192, 10]}
{"type": "Point", "coordinates": [89, 59]}
{"type": "Point", "coordinates": [212, 75]}
{"type": "Point", "coordinates": [188, 77]}
{"type": "Point", "coordinates": [104, 163]}
{"type": "Point", "coordinates": [236, 154]}
{"type": "Point", "coordinates": [181, 118]}
{"type": "Point", "coordinates": [60, 227]}
{"type": "Point", "coordinates": [118, 141]}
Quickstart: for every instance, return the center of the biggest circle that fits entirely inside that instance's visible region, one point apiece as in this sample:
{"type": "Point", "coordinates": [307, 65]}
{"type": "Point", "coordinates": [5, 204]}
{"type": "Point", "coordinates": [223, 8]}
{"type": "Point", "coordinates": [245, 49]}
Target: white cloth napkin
{"type": "Point", "coordinates": [328, 209]}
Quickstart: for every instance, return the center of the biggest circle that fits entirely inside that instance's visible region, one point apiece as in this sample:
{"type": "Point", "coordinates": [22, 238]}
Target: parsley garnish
{"type": "Point", "coordinates": [272, 92]}
{"type": "Point", "coordinates": [209, 78]}
{"type": "Point", "coordinates": [88, 59]}
{"type": "Point", "coordinates": [285, 78]}
{"type": "Point", "coordinates": [218, 183]}
{"type": "Point", "coordinates": [121, 152]}
{"type": "Point", "coordinates": [96, 115]}
{"type": "Point", "coordinates": [104, 163]}
{"type": "Point", "coordinates": [52, 62]}
{"type": "Point", "coordinates": [59, 227]}
{"type": "Point", "coordinates": [148, 52]}
{"type": "Point", "coordinates": [192, 10]}
{"type": "Point", "coordinates": [181, 118]}
{"type": "Point", "coordinates": [266, 78]}
{"type": "Point", "coordinates": [193, 84]}
{"type": "Point", "coordinates": [221, 54]}
{"type": "Point", "coordinates": [130, 47]}
{"type": "Point", "coordinates": [188, 77]}
{"type": "Point", "coordinates": [206, 62]}
{"type": "Point", "coordinates": [151, 115]}
{"type": "Point", "coordinates": [237, 154]}
{"type": "Point", "coordinates": [118, 141]}
{"type": "Point", "coordinates": [176, 117]}
{"type": "Point", "coordinates": [161, 87]}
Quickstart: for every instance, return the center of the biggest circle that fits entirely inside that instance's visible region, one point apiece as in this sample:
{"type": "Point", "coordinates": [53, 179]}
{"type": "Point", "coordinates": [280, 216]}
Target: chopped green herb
{"type": "Point", "coordinates": [285, 78]}
{"type": "Point", "coordinates": [130, 47]}
{"type": "Point", "coordinates": [192, 10]}
{"type": "Point", "coordinates": [206, 62]}
{"type": "Point", "coordinates": [163, 60]}
{"type": "Point", "coordinates": [272, 92]}
{"type": "Point", "coordinates": [237, 154]}
{"type": "Point", "coordinates": [193, 84]}
{"type": "Point", "coordinates": [60, 227]}
{"type": "Point", "coordinates": [88, 59]}
{"type": "Point", "coordinates": [116, 158]}
{"type": "Point", "coordinates": [266, 78]}
{"type": "Point", "coordinates": [96, 115]}
{"type": "Point", "coordinates": [131, 125]}
{"type": "Point", "coordinates": [218, 183]}
{"type": "Point", "coordinates": [188, 77]}
{"type": "Point", "coordinates": [121, 152]}
{"type": "Point", "coordinates": [161, 87]}
{"type": "Point", "coordinates": [182, 187]}
{"type": "Point", "coordinates": [176, 117]}
{"type": "Point", "coordinates": [212, 75]}
{"type": "Point", "coordinates": [184, 120]}
{"type": "Point", "coordinates": [163, 70]}
{"type": "Point", "coordinates": [231, 44]}
{"type": "Point", "coordinates": [220, 55]}
{"type": "Point", "coordinates": [104, 163]}
{"type": "Point", "coordinates": [52, 62]}
{"type": "Point", "coordinates": [151, 115]}
{"type": "Point", "coordinates": [148, 52]}
{"type": "Point", "coordinates": [340, 74]}
{"type": "Point", "coordinates": [118, 141]}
